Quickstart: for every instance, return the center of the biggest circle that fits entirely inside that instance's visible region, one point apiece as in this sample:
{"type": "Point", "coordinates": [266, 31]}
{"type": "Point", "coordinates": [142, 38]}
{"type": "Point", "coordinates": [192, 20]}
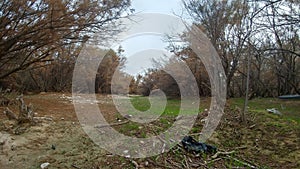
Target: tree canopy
{"type": "Point", "coordinates": [37, 31]}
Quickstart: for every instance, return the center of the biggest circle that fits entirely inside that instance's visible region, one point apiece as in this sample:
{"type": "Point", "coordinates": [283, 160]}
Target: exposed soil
{"type": "Point", "coordinates": [265, 141]}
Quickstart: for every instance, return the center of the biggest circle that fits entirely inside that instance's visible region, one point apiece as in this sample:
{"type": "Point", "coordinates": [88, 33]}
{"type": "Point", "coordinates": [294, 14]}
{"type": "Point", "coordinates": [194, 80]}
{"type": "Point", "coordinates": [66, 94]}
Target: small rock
{"type": "Point", "coordinates": [44, 165]}
{"type": "Point", "coordinates": [146, 163]}
{"type": "Point", "coordinates": [62, 118]}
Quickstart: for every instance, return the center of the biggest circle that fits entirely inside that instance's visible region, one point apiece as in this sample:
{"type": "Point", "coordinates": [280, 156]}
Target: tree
{"type": "Point", "coordinates": [36, 31]}
{"type": "Point", "coordinates": [228, 26]}
{"type": "Point", "coordinates": [280, 41]}
{"type": "Point", "coordinates": [110, 66]}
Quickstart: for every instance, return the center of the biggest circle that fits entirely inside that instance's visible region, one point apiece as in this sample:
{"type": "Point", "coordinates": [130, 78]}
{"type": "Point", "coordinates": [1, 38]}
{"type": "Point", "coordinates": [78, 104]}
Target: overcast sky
{"type": "Point", "coordinates": [157, 6]}
{"type": "Point", "coordinates": [141, 49]}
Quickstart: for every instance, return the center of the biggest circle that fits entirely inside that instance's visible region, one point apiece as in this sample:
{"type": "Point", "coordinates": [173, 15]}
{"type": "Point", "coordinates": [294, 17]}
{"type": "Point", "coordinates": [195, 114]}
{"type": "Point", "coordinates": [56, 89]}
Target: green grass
{"type": "Point", "coordinates": [166, 116]}
{"type": "Point", "coordinates": [140, 103]}
{"type": "Point", "coordinates": [289, 108]}
{"type": "Point", "coordinates": [172, 107]}
{"type": "Point", "coordinates": [143, 104]}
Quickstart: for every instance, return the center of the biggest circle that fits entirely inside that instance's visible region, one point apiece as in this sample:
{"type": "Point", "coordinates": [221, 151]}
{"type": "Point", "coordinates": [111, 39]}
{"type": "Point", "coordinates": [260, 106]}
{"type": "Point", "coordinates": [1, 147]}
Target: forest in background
{"type": "Point", "coordinates": [41, 40]}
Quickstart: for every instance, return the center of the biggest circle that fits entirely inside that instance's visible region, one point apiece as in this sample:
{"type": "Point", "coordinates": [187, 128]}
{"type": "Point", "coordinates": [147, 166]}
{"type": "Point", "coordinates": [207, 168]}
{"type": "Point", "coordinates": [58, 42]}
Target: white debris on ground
{"type": "Point", "coordinates": [80, 99]}
{"type": "Point", "coordinates": [44, 165]}
{"type": "Point", "coordinates": [274, 111]}
{"type": "Point", "coordinates": [91, 99]}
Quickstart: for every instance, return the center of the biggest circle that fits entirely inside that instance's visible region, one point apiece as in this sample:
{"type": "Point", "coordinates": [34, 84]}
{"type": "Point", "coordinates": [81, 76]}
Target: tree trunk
{"type": "Point", "coordinates": [243, 114]}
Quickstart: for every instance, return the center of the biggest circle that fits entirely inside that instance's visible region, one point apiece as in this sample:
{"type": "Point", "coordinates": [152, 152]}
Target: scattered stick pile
{"type": "Point", "coordinates": [26, 114]}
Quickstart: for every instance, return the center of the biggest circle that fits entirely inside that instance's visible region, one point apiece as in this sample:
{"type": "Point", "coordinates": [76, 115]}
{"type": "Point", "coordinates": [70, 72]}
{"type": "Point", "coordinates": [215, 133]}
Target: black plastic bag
{"type": "Point", "coordinates": [192, 145]}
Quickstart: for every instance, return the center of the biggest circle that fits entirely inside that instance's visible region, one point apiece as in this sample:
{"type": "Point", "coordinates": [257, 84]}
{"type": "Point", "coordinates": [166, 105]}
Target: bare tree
{"type": "Point", "coordinates": [278, 21]}
{"type": "Point", "coordinates": [228, 25]}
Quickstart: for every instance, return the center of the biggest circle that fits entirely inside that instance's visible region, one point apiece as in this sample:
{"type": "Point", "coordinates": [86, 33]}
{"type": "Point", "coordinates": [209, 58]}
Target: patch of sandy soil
{"type": "Point", "coordinates": [60, 142]}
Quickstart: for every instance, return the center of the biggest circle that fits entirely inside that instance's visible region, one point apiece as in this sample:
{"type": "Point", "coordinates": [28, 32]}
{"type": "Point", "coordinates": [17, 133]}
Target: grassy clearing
{"type": "Point", "coordinates": [166, 118]}
{"type": "Point", "coordinates": [172, 107]}
{"type": "Point", "coordinates": [266, 141]}
{"type": "Point", "coordinates": [289, 108]}
{"type": "Point", "coordinates": [257, 109]}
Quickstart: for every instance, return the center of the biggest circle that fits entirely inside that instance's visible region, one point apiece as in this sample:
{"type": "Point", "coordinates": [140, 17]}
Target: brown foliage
{"type": "Point", "coordinates": [32, 31]}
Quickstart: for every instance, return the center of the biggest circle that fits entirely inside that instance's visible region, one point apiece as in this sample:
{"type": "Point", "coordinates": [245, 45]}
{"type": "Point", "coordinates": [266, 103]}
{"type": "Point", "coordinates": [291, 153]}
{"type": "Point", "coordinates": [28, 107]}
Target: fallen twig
{"type": "Point", "coordinates": [222, 153]}
{"type": "Point", "coordinates": [241, 162]}
{"type": "Point", "coordinates": [250, 162]}
{"type": "Point", "coordinates": [161, 139]}
{"type": "Point", "coordinates": [186, 162]}
{"type": "Point", "coordinates": [195, 134]}
{"type": "Point", "coordinates": [199, 164]}
{"type": "Point", "coordinates": [174, 163]}
{"type": "Point", "coordinates": [241, 148]}
{"type": "Point", "coordinates": [10, 115]}
{"type": "Point", "coordinates": [113, 124]}
{"type": "Point", "coordinates": [160, 165]}
{"type": "Point", "coordinates": [214, 160]}
{"type": "Point", "coordinates": [135, 164]}
{"type": "Point", "coordinates": [252, 126]}
{"type": "Point", "coordinates": [74, 166]}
